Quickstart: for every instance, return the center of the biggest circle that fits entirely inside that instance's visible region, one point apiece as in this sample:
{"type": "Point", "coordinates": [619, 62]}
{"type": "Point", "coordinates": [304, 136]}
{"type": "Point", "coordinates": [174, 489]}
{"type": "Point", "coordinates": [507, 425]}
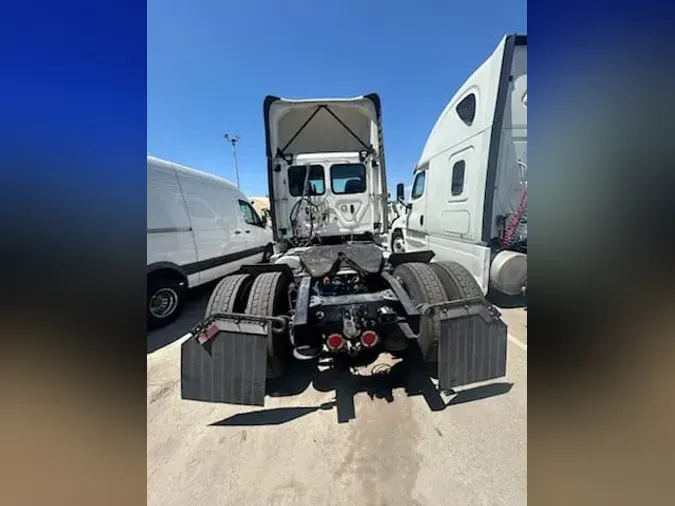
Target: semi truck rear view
{"type": "Point", "coordinates": [330, 292]}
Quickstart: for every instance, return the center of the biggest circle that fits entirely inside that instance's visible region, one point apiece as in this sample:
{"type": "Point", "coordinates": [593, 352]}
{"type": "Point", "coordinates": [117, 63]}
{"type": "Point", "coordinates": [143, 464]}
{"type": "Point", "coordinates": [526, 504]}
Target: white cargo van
{"type": "Point", "coordinates": [469, 194]}
{"type": "Point", "coordinates": [200, 228]}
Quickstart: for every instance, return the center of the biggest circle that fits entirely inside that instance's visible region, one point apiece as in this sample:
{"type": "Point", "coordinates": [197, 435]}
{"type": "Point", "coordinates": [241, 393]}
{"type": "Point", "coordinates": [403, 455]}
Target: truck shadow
{"type": "Point", "coordinates": [507, 301]}
{"type": "Point", "coordinates": [409, 375]}
{"type": "Point", "coordinates": [274, 416]}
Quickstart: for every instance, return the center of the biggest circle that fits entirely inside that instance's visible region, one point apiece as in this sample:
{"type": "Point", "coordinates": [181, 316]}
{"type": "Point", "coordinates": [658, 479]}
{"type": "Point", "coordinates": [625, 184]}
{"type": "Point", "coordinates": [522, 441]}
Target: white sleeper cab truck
{"type": "Point", "coordinates": [469, 195]}
{"type": "Point", "coordinates": [330, 292]}
{"type": "Point", "coordinates": [200, 228]}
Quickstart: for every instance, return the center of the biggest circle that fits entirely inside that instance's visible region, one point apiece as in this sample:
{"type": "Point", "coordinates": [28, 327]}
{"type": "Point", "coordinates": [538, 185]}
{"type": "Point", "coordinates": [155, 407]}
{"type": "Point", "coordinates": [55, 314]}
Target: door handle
{"type": "Point", "coordinates": [422, 219]}
{"type": "Point", "coordinates": [237, 231]}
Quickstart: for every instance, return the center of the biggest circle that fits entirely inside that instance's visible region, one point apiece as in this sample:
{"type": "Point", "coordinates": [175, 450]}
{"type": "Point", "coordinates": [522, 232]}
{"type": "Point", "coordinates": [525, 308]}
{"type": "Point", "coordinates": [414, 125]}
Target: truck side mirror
{"type": "Point", "coordinates": [400, 192]}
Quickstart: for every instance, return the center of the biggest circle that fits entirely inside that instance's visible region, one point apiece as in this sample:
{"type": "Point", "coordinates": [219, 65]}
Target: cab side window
{"type": "Point", "coordinates": [466, 109]}
{"type": "Point", "coordinates": [458, 171]}
{"type": "Point", "coordinates": [418, 185]}
{"type": "Point", "coordinates": [249, 214]}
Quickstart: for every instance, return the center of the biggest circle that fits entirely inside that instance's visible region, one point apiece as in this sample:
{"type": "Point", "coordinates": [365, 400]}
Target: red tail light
{"type": "Point", "coordinates": [369, 338]}
{"type": "Point", "coordinates": [335, 342]}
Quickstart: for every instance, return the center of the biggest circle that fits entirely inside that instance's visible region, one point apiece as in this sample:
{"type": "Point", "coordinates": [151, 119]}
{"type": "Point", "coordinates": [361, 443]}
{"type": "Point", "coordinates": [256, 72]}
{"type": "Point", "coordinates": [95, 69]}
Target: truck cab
{"type": "Point", "coordinates": [469, 189]}
{"type": "Point", "coordinates": [326, 169]}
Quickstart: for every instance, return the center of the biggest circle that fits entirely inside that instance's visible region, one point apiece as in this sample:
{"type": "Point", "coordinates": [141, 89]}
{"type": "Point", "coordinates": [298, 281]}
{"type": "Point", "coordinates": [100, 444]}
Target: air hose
{"type": "Point", "coordinates": [516, 218]}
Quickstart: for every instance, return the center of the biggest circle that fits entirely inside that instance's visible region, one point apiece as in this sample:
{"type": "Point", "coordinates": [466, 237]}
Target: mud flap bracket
{"type": "Point", "coordinates": [472, 341]}
{"type": "Point", "coordinates": [226, 360]}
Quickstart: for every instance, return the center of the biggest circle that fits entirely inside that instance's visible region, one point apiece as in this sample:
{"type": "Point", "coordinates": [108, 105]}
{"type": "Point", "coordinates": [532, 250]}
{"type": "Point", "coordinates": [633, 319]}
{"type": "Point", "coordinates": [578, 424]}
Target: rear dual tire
{"type": "Point", "coordinates": [269, 297]}
{"type": "Point", "coordinates": [434, 283]}
{"type": "Point", "coordinates": [264, 295]}
{"type": "Point", "coordinates": [423, 286]}
{"type": "Point", "coordinates": [457, 281]}
{"type": "Point", "coordinates": [230, 295]}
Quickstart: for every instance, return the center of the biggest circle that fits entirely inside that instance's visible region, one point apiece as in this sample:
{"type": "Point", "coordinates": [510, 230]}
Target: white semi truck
{"type": "Point", "coordinates": [469, 194]}
{"type": "Point", "coordinates": [330, 292]}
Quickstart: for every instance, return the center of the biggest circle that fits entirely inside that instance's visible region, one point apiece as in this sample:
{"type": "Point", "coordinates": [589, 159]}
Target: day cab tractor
{"type": "Point", "coordinates": [330, 292]}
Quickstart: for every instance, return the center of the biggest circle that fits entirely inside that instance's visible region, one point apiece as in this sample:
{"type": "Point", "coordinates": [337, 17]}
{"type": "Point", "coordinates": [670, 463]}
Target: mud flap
{"type": "Point", "coordinates": [227, 362]}
{"type": "Point", "coordinates": [472, 342]}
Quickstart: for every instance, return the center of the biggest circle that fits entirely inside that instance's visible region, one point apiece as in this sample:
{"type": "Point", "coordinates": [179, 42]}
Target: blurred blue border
{"type": "Point", "coordinates": [74, 105]}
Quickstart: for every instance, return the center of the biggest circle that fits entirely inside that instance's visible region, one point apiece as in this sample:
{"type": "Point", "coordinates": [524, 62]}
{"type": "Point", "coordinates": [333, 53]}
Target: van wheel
{"type": "Point", "coordinates": [269, 297]}
{"type": "Point", "coordinates": [397, 242]}
{"type": "Point", "coordinates": [423, 286]}
{"type": "Point", "coordinates": [457, 281]}
{"type": "Point", "coordinates": [166, 296]}
{"type": "Point", "coordinates": [230, 295]}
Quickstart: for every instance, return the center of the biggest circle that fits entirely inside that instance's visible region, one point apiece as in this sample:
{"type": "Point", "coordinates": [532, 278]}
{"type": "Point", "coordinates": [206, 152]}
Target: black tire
{"type": "Point", "coordinates": [164, 291]}
{"type": "Point", "coordinates": [230, 295]}
{"type": "Point", "coordinates": [397, 234]}
{"type": "Point", "coordinates": [267, 254]}
{"type": "Point", "coordinates": [423, 286]}
{"type": "Point", "coordinates": [457, 281]}
{"type": "Point", "coordinates": [269, 297]}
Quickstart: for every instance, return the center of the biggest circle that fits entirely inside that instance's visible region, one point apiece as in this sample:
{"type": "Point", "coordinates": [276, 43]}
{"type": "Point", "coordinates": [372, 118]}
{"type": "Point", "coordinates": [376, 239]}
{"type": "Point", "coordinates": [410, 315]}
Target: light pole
{"type": "Point", "coordinates": [233, 139]}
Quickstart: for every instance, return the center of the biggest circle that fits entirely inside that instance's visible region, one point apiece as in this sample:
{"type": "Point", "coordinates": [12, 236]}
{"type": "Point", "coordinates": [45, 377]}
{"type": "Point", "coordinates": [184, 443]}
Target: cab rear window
{"type": "Point", "coordinates": [348, 178]}
{"type": "Point", "coordinates": [296, 180]}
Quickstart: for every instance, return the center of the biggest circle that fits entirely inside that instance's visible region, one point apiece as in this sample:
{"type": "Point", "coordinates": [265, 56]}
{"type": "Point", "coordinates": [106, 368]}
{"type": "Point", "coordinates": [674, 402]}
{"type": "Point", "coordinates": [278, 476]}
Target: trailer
{"type": "Point", "coordinates": [330, 291]}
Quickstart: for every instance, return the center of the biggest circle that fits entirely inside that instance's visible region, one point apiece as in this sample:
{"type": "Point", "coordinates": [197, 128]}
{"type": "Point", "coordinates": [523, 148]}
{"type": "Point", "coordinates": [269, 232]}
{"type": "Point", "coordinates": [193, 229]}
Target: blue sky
{"type": "Point", "coordinates": [211, 63]}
